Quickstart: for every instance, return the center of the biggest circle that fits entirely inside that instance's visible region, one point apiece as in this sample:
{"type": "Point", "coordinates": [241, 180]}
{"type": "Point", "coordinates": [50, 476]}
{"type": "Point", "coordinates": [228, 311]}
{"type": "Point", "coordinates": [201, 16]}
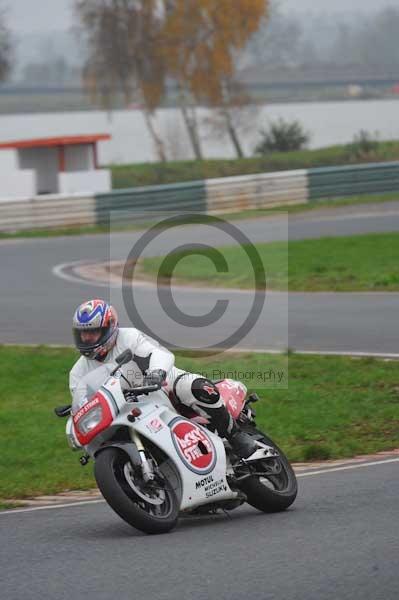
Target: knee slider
{"type": "Point", "coordinates": [205, 391]}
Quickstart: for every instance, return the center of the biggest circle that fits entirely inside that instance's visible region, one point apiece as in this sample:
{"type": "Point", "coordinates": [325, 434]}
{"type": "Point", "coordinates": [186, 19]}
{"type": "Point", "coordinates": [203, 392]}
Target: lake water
{"type": "Point", "coordinates": [328, 123]}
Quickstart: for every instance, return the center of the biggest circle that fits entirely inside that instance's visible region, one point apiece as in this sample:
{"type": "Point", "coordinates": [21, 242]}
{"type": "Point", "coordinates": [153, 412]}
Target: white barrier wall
{"type": "Point", "coordinates": [85, 181]}
{"type": "Point", "coordinates": [257, 191]}
{"type": "Point", "coordinates": [47, 212]}
{"type": "Point", "coordinates": [17, 184]}
{"type": "Point", "coordinates": [13, 182]}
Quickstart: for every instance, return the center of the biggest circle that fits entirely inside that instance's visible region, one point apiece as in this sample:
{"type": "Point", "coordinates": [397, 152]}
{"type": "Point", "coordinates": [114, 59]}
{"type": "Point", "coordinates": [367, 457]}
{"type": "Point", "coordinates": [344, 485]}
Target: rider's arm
{"type": "Point", "coordinates": [159, 357]}
{"type": "Point", "coordinates": [77, 372]}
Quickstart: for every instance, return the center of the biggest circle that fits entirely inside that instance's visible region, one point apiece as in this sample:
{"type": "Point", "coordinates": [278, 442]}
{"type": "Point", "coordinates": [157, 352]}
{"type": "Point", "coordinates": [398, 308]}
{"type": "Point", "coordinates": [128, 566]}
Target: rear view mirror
{"type": "Point", "coordinates": [124, 358]}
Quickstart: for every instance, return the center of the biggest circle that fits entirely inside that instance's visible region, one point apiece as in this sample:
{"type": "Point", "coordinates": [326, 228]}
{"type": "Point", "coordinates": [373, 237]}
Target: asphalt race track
{"type": "Point", "coordinates": [338, 541]}
{"type": "Point", "coordinates": [36, 306]}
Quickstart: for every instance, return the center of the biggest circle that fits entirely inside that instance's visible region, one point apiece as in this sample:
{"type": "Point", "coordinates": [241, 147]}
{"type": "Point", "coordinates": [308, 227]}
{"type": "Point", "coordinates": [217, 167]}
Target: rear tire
{"type": "Point", "coordinates": [110, 473]}
{"type": "Point", "coordinates": [280, 490]}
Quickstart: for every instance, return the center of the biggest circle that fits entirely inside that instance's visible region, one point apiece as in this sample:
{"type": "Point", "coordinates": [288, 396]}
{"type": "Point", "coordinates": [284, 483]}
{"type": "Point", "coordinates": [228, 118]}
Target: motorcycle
{"type": "Point", "coordinates": [155, 459]}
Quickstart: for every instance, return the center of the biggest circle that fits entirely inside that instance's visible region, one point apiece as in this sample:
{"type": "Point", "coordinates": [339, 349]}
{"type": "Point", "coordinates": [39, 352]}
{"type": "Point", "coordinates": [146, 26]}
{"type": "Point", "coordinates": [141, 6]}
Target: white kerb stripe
{"type": "Point", "coordinates": [49, 507]}
{"type": "Point", "coordinates": [348, 467]}
{"type": "Point", "coordinates": [309, 474]}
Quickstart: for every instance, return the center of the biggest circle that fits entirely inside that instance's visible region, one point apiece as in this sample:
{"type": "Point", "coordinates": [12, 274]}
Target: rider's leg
{"type": "Point", "coordinates": [202, 395]}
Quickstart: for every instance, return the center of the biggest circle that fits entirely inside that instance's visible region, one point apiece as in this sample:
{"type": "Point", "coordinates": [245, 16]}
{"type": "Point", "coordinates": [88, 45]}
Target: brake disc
{"type": "Point", "coordinates": [157, 500]}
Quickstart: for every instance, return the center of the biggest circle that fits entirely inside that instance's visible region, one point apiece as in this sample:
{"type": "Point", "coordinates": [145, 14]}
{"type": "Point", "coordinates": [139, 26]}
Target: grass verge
{"type": "Point", "coordinates": [355, 263]}
{"type": "Point", "coordinates": [125, 176]}
{"type": "Point", "coordinates": [10, 505]}
{"type": "Point", "coordinates": [234, 216]}
{"type": "Point", "coordinates": [333, 407]}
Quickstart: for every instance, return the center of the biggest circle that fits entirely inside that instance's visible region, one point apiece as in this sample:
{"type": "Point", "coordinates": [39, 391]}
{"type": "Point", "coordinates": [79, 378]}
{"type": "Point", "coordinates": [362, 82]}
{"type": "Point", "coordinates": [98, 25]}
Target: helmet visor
{"type": "Point", "coordinates": [89, 340]}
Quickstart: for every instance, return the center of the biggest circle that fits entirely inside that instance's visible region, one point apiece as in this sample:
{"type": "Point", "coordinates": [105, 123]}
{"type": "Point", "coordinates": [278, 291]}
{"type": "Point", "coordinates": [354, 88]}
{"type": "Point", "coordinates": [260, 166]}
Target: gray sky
{"type": "Point", "coordinates": [342, 6]}
{"type": "Point", "coordinates": [46, 15]}
{"type": "Point", "coordinates": [38, 15]}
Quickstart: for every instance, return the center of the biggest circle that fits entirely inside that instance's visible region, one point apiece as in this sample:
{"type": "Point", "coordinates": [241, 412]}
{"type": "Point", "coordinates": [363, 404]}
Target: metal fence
{"type": "Point", "coordinates": [120, 206]}
{"type": "Point", "coordinates": [213, 196]}
{"type": "Point", "coordinates": [353, 180]}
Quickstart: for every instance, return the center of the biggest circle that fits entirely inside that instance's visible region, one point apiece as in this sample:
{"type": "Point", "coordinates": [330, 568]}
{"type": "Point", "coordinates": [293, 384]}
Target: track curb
{"type": "Point", "coordinates": [86, 496]}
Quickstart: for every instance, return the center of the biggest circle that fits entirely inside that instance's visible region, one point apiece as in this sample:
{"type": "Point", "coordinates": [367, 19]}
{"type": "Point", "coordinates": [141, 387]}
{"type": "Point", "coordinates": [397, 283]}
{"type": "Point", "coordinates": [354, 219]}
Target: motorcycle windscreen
{"type": "Point", "coordinates": [89, 384]}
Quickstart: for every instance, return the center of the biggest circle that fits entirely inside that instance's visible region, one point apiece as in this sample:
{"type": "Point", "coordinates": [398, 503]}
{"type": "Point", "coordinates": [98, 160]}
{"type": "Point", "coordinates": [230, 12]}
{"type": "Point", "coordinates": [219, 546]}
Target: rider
{"type": "Point", "coordinates": [100, 340]}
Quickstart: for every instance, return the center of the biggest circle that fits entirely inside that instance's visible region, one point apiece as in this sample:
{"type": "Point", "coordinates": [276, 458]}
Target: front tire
{"type": "Point", "coordinates": [126, 494]}
{"type": "Point", "coordinates": [271, 492]}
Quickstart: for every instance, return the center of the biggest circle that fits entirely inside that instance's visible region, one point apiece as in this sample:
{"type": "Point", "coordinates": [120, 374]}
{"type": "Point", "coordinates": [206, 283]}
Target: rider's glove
{"type": "Point", "coordinates": [155, 377]}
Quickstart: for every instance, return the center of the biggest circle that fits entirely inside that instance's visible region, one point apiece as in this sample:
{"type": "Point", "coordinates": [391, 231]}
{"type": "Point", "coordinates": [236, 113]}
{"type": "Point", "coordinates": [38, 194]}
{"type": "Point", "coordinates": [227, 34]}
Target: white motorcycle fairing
{"type": "Point", "coordinates": [194, 453]}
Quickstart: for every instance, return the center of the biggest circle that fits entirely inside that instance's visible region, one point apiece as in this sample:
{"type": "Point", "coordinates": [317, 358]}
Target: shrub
{"type": "Point", "coordinates": [282, 136]}
{"type": "Point", "coordinates": [363, 145]}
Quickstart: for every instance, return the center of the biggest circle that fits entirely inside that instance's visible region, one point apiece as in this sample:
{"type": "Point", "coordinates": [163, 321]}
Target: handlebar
{"type": "Point", "coordinates": [143, 389]}
{"type": "Point", "coordinates": [124, 358]}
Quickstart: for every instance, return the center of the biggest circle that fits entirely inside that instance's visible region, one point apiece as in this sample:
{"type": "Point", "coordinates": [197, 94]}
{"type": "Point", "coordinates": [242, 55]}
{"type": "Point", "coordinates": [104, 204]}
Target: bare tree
{"type": "Point", "coordinates": [188, 110]}
{"type": "Point", "coordinates": [5, 48]}
{"type": "Point", "coordinates": [180, 38]}
{"type": "Point", "coordinates": [236, 115]}
{"type": "Point", "coordinates": [121, 37]}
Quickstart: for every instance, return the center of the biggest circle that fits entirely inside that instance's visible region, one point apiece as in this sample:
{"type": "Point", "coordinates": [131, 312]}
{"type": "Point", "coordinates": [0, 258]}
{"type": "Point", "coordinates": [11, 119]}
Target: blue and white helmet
{"type": "Point", "coordinates": [96, 316]}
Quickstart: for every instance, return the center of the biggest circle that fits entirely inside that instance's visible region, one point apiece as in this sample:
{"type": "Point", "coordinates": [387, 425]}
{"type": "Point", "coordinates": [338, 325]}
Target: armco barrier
{"type": "Point", "coordinates": [121, 206]}
{"type": "Point", "coordinates": [47, 212]}
{"type": "Point", "coordinates": [214, 195]}
{"type": "Point", "coordinates": [353, 180]}
{"type": "Point", "coordinates": [256, 191]}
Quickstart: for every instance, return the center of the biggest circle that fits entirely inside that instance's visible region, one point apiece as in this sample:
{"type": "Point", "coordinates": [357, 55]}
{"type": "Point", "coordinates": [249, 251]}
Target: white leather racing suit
{"type": "Point", "coordinates": [191, 389]}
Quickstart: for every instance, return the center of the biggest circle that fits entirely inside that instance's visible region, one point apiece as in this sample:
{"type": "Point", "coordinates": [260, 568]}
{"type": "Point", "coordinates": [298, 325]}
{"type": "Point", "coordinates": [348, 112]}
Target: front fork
{"type": "Point", "coordinates": [148, 473]}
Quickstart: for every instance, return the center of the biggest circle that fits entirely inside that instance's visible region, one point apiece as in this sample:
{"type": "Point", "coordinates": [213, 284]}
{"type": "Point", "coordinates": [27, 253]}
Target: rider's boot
{"type": "Point", "coordinates": [242, 443]}
{"type": "Point", "coordinates": [204, 395]}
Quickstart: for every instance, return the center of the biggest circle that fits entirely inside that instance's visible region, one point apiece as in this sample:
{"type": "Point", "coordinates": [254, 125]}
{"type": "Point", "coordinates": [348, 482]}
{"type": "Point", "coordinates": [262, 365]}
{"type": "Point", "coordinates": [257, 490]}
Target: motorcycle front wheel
{"type": "Point", "coordinates": [150, 507]}
{"type": "Point", "coordinates": [273, 486]}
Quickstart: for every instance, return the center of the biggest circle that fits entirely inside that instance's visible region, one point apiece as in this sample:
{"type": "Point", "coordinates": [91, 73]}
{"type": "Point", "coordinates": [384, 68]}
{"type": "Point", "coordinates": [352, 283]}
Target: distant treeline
{"type": "Point", "coordinates": [290, 41]}
{"type": "Point", "coordinates": [358, 39]}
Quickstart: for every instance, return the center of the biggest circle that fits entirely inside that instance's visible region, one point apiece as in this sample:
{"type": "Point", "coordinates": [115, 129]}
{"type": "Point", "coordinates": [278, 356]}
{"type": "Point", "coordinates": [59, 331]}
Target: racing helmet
{"type": "Point", "coordinates": [100, 319]}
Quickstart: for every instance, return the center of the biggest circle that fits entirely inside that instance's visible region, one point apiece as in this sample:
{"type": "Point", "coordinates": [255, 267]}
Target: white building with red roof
{"type": "Point", "coordinates": [58, 165]}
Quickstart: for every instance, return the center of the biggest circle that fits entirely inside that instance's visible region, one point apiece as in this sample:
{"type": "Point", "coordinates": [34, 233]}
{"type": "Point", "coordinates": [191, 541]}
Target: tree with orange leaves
{"type": "Point", "coordinates": [201, 43]}
{"type": "Point", "coordinates": [136, 44]}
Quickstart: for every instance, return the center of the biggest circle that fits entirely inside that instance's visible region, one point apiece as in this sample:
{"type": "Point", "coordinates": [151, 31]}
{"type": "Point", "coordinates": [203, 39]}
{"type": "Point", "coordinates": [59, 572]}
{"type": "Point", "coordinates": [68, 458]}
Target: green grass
{"type": "Point", "coordinates": [125, 176]}
{"type": "Point", "coordinates": [326, 203]}
{"type": "Point", "coordinates": [244, 214]}
{"type": "Point", "coordinates": [40, 233]}
{"type": "Point", "coordinates": [10, 505]}
{"type": "Point", "coordinates": [68, 231]}
{"type": "Point", "coordinates": [356, 263]}
{"type": "Point", "coordinates": [333, 407]}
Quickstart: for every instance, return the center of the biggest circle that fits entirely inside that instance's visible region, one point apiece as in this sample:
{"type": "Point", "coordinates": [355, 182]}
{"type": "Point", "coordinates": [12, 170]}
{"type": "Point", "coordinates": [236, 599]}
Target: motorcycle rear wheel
{"type": "Point", "coordinates": [126, 494]}
{"type": "Point", "coordinates": [271, 492]}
